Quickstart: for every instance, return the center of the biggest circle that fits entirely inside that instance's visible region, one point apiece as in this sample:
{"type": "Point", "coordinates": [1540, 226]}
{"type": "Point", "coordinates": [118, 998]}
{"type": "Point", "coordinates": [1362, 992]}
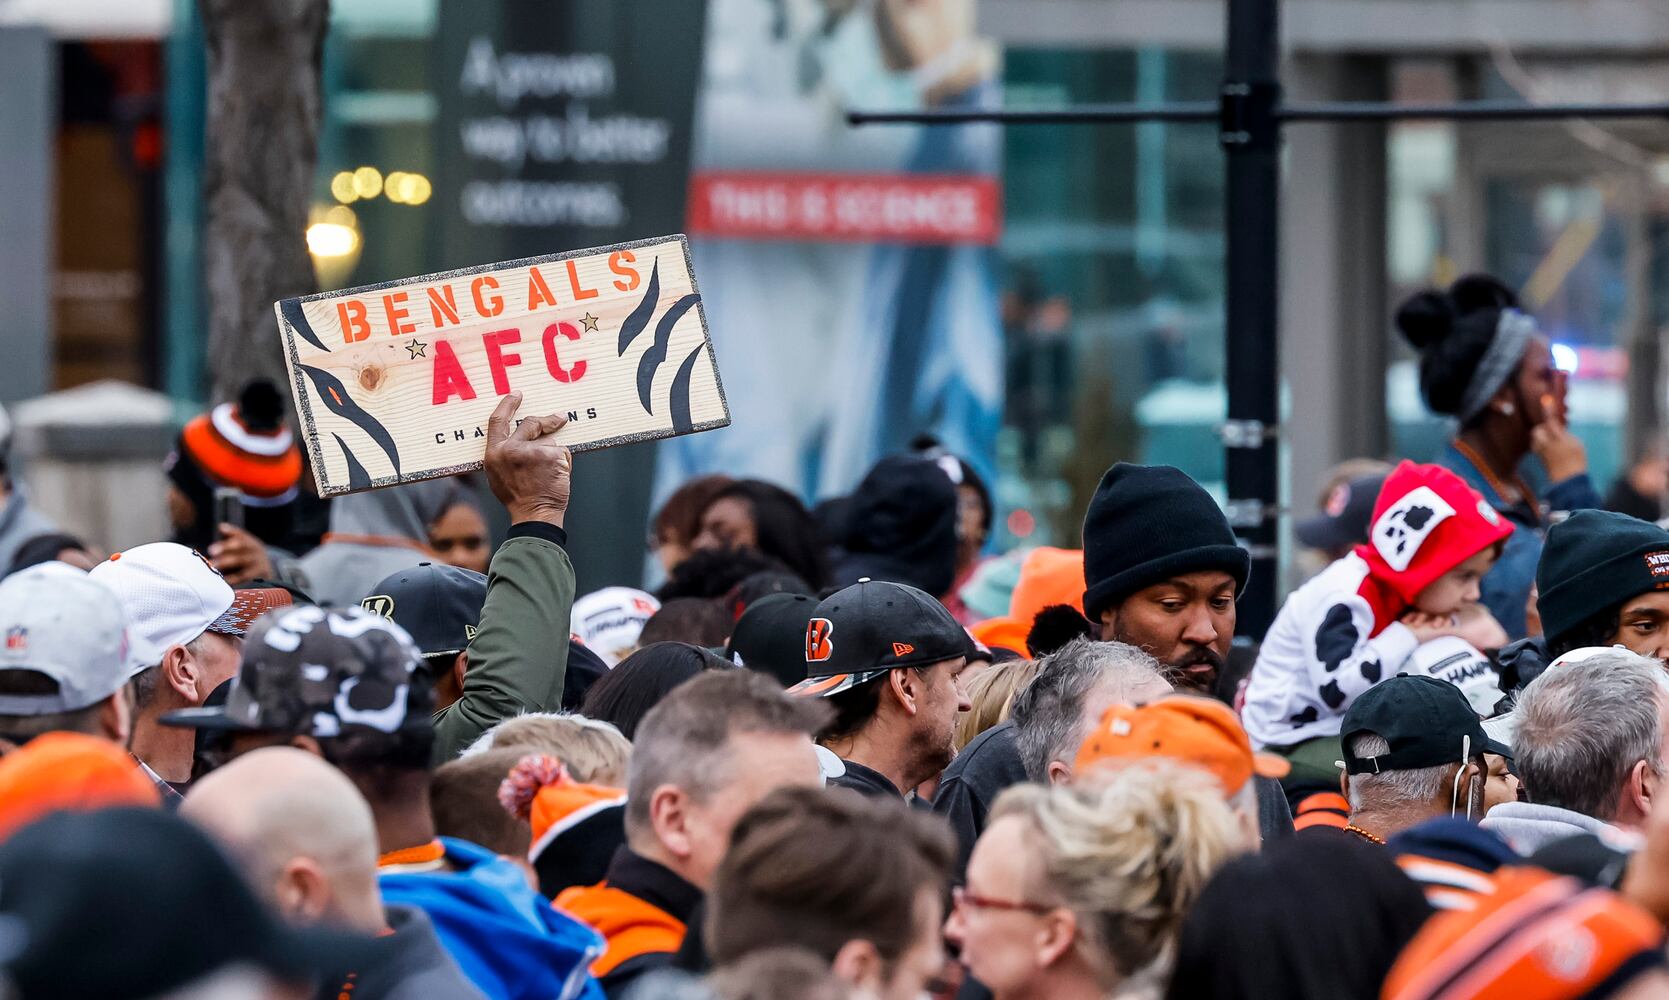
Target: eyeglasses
{"type": "Point", "coordinates": [961, 898]}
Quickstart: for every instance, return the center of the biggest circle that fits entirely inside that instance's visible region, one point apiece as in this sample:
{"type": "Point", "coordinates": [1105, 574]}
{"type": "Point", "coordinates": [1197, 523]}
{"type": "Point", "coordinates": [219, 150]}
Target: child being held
{"type": "Point", "coordinates": [1359, 620]}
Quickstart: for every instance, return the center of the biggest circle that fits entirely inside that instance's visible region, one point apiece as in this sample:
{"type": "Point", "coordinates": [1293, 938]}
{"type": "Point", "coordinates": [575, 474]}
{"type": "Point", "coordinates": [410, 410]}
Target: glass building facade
{"type": "Point", "coordinates": [1110, 287]}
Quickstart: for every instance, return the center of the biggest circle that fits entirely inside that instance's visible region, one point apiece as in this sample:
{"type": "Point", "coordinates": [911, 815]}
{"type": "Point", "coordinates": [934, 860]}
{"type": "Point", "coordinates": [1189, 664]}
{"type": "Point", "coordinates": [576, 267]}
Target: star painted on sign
{"type": "Point", "coordinates": [589, 322]}
{"type": "Point", "coordinates": [417, 347]}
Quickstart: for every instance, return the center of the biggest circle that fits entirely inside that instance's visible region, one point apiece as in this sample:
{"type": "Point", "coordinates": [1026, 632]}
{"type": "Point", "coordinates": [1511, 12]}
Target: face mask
{"type": "Point", "coordinates": [1454, 793]}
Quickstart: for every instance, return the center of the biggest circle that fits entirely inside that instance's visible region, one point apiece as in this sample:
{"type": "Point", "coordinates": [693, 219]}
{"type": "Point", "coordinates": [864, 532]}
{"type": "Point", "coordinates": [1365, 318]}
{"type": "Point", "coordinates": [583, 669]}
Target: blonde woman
{"type": "Point", "coordinates": [992, 693]}
{"type": "Point", "coordinates": [1077, 891]}
{"type": "Point", "coordinates": [592, 751]}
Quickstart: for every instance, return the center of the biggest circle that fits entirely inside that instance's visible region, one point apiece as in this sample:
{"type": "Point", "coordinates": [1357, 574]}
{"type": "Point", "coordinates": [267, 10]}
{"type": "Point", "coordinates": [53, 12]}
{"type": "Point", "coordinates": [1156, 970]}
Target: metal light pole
{"type": "Point", "coordinates": [1251, 139]}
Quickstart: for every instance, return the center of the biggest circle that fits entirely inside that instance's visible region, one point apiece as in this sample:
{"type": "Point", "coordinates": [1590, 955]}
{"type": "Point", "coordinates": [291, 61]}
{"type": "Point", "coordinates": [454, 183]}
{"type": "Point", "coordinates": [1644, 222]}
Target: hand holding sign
{"type": "Point", "coordinates": [395, 382]}
{"type": "Point", "coordinates": [529, 472]}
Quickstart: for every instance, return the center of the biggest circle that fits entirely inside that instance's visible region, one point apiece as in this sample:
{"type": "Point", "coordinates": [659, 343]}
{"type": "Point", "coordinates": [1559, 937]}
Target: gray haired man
{"type": "Point", "coordinates": [1413, 750]}
{"type": "Point", "coordinates": [1050, 718]}
{"type": "Point", "coordinates": [1589, 748]}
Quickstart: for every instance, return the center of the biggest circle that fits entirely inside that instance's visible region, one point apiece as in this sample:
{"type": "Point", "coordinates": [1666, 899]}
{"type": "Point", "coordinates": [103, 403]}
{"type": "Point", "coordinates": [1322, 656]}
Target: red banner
{"type": "Point", "coordinates": [905, 208]}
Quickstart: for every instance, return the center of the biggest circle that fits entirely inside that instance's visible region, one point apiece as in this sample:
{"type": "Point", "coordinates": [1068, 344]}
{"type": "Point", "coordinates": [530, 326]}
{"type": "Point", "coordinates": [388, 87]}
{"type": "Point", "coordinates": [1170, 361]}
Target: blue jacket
{"type": "Point", "coordinates": [1506, 587]}
{"type": "Point", "coordinates": [508, 939]}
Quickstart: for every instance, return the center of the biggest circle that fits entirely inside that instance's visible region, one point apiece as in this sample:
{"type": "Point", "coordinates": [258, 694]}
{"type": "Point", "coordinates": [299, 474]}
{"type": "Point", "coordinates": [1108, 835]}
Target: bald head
{"type": "Point", "coordinates": [300, 830]}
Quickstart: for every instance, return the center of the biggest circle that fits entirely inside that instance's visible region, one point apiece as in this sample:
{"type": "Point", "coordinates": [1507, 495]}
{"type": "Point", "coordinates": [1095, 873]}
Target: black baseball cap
{"type": "Point", "coordinates": [322, 673]}
{"type": "Point", "coordinates": [128, 903]}
{"type": "Point", "coordinates": [1426, 721]}
{"type": "Point", "coordinates": [1345, 517]}
{"type": "Point", "coordinates": [871, 627]}
{"type": "Point", "coordinates": [437, 604]}
{"type": "Point", "coordinates": [770, 637]}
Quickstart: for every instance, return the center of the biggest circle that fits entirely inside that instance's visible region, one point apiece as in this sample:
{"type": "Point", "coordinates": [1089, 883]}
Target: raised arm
{"type": "Point", "coordinates": [520, 653]}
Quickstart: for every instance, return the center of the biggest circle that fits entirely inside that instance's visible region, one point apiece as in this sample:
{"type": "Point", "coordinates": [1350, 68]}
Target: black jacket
{"type": "Point", "coordinates": [970, 785]}
{"type": "Point", "coordinates": [991, 763]}
{"type": "Point", "coordinates": [866, 780]}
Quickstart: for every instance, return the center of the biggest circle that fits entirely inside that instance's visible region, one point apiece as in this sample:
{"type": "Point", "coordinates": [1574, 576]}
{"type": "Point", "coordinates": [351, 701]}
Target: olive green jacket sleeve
{"type": "Point", "coordinates": [519, 656]}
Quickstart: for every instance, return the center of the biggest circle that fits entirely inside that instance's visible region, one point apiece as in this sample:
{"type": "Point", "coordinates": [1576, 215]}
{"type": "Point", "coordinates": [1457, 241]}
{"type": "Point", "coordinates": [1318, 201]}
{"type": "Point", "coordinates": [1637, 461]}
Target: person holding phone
{"type": "Point", "coordinates": [234, 479]}
{"type": "Point", "coordinates": [1486, 363]}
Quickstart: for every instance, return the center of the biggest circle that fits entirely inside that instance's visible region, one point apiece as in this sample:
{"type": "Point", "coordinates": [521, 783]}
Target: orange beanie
{"type": "Point", "coordinates": [540, 791]}
{"type": "Point", "coordinates": [58, 771]}
{"type": "Point", "coordinates": [1048, 577]}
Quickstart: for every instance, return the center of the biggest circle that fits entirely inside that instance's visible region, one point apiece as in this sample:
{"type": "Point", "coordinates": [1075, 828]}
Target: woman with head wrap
{"type": "Point", "coordinates": [1485, 363]}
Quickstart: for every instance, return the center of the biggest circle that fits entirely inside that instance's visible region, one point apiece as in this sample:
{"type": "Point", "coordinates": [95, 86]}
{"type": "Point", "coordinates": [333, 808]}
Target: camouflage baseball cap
{"type": "Point", "coordinates": [309, 671]}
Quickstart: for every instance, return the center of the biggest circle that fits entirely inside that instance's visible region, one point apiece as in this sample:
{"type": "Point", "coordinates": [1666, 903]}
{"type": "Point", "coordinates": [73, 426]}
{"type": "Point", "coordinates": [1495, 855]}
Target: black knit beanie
{"type": "Point", "coordinates": [1594, 560]}
{"type": "Point", "coordinates": [1147, 524]}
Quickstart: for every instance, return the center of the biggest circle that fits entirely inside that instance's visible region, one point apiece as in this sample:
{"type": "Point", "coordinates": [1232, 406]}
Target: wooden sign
{"type": "Point", "coordinates": [394, 382]}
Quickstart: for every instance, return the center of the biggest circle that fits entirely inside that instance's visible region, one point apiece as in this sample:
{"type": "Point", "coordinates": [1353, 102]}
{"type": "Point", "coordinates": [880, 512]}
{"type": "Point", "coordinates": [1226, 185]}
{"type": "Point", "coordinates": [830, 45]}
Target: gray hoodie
{"type": "Point", "coordinates": [374, 535]}
{"type": "Point", "coordinates": [1529, 827]}
{"type": "Point", "coordinates": [409, 963]}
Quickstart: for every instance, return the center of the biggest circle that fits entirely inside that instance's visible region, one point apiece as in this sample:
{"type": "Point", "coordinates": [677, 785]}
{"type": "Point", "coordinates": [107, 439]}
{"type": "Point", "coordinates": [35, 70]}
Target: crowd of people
{"type": "Point", "coordinates": [352, 750]}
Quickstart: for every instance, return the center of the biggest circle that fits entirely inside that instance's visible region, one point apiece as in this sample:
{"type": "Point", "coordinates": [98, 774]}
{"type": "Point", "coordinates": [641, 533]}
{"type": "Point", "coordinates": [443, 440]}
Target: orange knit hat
{"type": "Point", "coordinates": [245, 445]}
{"type": "Point", "coordinates": [1006, 632]}
{"type": "Point", "coordinates": [58, 771]}
{"type": "Point", "coordinates": [540, 791]}
{"type": "Point", "coordinates": [1048, 577]}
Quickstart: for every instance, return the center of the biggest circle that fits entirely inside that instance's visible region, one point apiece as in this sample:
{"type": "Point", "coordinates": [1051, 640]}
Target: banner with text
{"type": "Point", "coordinates": [567, 125]}
{"type": "Point", "coordinates": [395, 382]}
{"type": "Point", "coordinates": [564, 124]}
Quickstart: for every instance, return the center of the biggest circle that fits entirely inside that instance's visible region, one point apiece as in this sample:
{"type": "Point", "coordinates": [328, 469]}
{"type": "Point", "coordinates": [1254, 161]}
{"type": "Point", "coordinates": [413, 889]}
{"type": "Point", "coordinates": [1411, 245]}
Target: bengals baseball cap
{"type": "Point", "coordinates": [172, 595]}
{"type": "Point", "coordinates": [312, 672]}
{"type": "Point", "coordinates": [1426, 721]}
{"type": "Point", "coordinates": [770, 637]}
{"type": "Point", "coordinates": [858, 634]}
{"type": "Point", "coordinates": [59, 622]}
{"type": "Point", "coordinates": [438, 605]}
{"type": "Point", "coordinates": [1195, 731]}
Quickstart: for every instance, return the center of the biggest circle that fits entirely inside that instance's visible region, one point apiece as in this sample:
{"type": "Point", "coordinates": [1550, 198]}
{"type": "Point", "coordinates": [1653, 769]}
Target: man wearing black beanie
{"type": "Point", "coordinates": [1162, 569]}
{"type": "Point", "coordinates": [1603, 580]}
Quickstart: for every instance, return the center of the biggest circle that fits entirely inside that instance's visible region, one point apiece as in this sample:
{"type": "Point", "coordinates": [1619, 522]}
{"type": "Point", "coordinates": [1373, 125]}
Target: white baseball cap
{"type": "Point", "coordinates": [1453, 659]}
{"type": "Point", "coordinates": [58, 621]}
{"type": "Point", "coordinates": [609, 621]}
{"type": "Point", "coordinates": [172, 595]}
{"type": "Point", "coordinates": [1503, 728]}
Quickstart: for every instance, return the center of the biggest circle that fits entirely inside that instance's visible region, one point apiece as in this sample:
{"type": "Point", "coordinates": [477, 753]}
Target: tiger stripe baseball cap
{"type": "Point", "coordinates": [172, 595]}
{"type": "Point", "coordinates": [859, 633]}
